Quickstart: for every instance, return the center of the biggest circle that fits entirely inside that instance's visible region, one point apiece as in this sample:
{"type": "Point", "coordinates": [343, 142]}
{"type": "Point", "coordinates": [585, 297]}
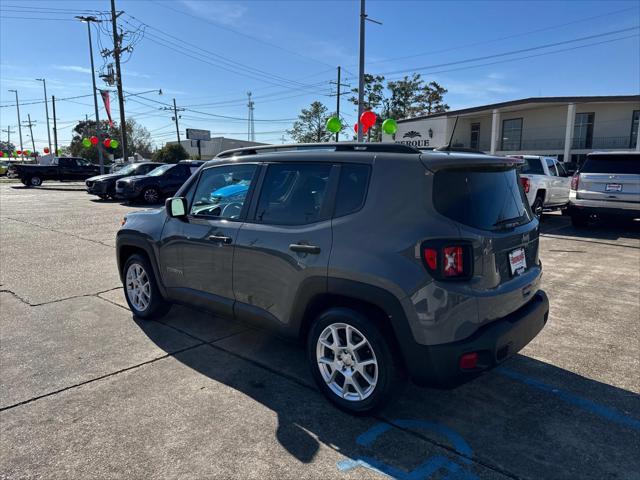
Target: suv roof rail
{"type": "Point", "coordinates": [334, 146]}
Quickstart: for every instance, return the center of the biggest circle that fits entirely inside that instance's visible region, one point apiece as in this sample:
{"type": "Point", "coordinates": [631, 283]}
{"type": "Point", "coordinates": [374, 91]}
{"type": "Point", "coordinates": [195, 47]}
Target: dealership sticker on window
{"type": "Point", "coordinates": [517, 261]}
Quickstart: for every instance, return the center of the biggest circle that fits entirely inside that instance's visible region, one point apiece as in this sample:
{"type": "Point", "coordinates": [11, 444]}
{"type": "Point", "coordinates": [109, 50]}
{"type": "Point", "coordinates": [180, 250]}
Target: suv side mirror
{"type": "Point", "coordinates": [176, 207]}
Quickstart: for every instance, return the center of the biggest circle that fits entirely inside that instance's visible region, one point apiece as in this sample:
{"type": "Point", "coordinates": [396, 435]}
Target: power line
{"type": "Point", "coordinates": [237, 32]}
{"type": "Point", "coordinates": [521, 34]}
{"type": "Point", "coordinates": [512, 52]}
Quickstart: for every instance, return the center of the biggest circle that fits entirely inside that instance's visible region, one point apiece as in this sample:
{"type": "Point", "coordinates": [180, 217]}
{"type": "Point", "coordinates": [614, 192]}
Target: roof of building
{"type": "Point", "coordinates": [523, 101]}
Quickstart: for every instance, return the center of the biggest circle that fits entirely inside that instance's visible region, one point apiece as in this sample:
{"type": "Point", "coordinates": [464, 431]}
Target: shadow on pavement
{"type": "Point", "coordinates": [525, 419]}
{"type": "Point", "coordinates": [607, 229]}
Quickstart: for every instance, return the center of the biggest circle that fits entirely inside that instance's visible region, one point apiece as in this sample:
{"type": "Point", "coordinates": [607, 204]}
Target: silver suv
{"type": "Point", "coordinates": [607, 185]}
{"type": "Point", "coordinates": [386, 261]}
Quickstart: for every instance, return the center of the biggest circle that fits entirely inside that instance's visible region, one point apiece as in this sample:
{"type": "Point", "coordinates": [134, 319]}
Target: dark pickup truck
{"type": "Point", "coordinates": [62, 168]}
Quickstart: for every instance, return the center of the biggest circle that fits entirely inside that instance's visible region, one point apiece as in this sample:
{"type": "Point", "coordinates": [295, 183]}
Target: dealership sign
{"type": "Point", "coordinates": [195, 134]}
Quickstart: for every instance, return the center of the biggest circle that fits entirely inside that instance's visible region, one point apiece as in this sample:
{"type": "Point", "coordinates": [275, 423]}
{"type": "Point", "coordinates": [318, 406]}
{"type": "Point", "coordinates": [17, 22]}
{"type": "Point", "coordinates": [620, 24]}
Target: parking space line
{"type": "Point", "coordinates": [580, 402]}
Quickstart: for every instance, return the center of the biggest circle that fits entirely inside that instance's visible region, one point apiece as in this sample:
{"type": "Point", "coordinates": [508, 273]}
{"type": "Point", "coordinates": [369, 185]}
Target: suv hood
{"type": "Point", "coordinates": [106, 176]}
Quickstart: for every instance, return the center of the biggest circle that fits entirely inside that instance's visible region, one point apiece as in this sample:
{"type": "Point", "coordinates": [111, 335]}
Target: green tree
{"type": "Point", "coordinates": [373, 92]}
{"type": "Point", "coordinates": [138, 139]}
{"type": "Point", "coordinates": [404, 100]}
{"type": "Point", "coordinates": [311, 125]}
{"type": "Point", "coordinates": [432, 97]}
{"type": "Point", "coordinates": [7, 147]}
{"type": "Point", "coordinates": [170, 153]}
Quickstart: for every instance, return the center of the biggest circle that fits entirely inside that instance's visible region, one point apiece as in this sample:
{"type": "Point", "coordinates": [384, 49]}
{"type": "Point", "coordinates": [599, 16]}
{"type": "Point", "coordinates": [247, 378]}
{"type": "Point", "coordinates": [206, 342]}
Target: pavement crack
{"type": "Point", "coordinates": [60, 232]}
{"type": "Point", "coordinates": [5, 290]}
{"type": "Point", "coordinates": [101, 377]}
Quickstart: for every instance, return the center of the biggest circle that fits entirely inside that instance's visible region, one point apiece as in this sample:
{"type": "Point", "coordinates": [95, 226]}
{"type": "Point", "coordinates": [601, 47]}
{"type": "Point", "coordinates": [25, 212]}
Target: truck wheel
{"type": "Point", "coordinates": [35, 181]}
{"type": "Point", "coordinates": [536, 208]}
{"type": "Point", "coordinates": [141, 289]}
{"type": "Point", "coordinates": [151, 195]}
{"type": "Point", "coordinates": [352, 363]}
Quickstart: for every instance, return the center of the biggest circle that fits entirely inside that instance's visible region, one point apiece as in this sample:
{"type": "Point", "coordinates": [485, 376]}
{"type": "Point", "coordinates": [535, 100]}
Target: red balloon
{"type": "Point", "coordinates": [19, 152]}
{"type": "Point", "coordinates": [368, 119]}
{"type": "Point", "coordinates": [107, 142]}
{"type": "Point", "coordinates": [355, 127]}
{"type": "Point", "coordinates": [94, 140]}
{"type": "Point", "coordinates": [46, 149]}
{"type": "Point", "coordinates": [365, 128]}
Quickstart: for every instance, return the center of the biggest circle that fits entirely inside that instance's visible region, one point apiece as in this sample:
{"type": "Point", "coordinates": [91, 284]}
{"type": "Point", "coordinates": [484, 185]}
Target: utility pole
{"type": "Point", "coordinates": [338, 92]}
{"type": "Point", "coordinates": [88, 21]}
{"type": "Point", "coordinates": [19, 124]}
{"type": "Point", "coordinates": [30, 123]}
{"type": "Point", "coordinates": [251, 133]}
{"type": "Point", "coordinates": [117, 49]}
{"type": "Point", "coordinates": [46, 108]}
{"type": "Point", "coordinates": [175, 116]}
{"type": "Point", "coordinates": [363, 18]}
{"type": "Point", "coordinates": [8, 131]}
{"type": "Point", "coordinates": [55, 129]}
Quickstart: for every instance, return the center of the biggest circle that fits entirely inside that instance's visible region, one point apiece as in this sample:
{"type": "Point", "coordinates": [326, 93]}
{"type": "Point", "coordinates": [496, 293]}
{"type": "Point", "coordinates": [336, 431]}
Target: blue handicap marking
{"type": "Point", "coordinates": [455, 470]}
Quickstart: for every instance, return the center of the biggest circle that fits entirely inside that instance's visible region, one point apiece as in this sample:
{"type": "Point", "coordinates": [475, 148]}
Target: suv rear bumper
{"type": "Point", "coordinates": [494, 343]}
{"type": "Point", "coordinates": [596, 207]}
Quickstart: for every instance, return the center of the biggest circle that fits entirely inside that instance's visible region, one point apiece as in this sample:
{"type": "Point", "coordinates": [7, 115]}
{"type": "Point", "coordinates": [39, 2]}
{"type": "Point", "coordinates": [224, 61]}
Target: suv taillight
{"type": "Point", "coordinates": [526, 184]}
{"type": "Point", "coordinates": [575, 180]}
{"type": "Point", "coordinates": [448, 260]}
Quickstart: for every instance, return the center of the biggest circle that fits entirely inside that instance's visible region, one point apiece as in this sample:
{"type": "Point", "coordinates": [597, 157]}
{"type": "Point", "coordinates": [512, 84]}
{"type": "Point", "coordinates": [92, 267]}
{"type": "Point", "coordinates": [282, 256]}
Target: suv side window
{"type": "Point", "coordinates": [552, 167]}
{"type": "Point", "coordinates": [293, 194]}
{"type": "Point", "coordinates": [221, 191]}
{"type": "Point", "coordinates": [178, 171]}
{"type": "Point", "coordinates": [352, 188]}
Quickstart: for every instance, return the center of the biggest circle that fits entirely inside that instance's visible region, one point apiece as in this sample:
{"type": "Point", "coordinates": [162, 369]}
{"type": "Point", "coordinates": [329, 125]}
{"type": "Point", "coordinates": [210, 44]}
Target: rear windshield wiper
{"type": "Point", "coordinates": [508, 222]}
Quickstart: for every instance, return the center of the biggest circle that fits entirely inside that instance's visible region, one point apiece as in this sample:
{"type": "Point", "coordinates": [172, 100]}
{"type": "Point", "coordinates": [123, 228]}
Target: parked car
{"type": "Point", "coordinates": [607, 185]}
{"type": "Point", "coordinates": [385, 260]}
{"type": "Point", "coordinates": [61, 168]}
{"type": "Point", "coordinates": [104, 186]}
{"type": "Point", "coordinates": [545, 182]}
{"type": "Point", "coordinates": [4, 167]}
{"type": "Point", "coordinates": [159, 183]}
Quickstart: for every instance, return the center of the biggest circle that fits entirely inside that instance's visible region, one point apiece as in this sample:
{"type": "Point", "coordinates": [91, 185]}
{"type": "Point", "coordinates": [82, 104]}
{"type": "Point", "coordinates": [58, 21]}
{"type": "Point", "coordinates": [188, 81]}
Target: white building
{"type": "Point", "coordinates": [566, 127]}
{"type": "Point", "coordinates": [210, 148]}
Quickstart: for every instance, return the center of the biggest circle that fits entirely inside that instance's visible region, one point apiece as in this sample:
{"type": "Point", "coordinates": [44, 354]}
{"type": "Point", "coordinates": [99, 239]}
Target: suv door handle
{"type": "Point", "coordinates": [220, 239]}
{"type": "Point", "coordinates": [298, 247]}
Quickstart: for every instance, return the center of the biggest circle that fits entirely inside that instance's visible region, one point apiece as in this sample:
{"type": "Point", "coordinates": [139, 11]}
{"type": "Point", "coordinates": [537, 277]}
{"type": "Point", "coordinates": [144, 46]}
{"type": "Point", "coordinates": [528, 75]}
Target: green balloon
{"type": "Point", "coordinates": [334, 125]}
{"type": "Point", "coordinates": [389, 126]}
{"type": "Point", "coordinates": [86, 142]}
{"type": "Point", "coordinates": [114, 144]}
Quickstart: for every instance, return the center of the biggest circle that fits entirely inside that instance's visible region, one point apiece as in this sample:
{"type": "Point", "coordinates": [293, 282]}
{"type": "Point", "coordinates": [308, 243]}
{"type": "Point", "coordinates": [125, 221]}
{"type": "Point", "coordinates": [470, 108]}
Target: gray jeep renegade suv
{"type": "Point", "coordinates": [387, 261]}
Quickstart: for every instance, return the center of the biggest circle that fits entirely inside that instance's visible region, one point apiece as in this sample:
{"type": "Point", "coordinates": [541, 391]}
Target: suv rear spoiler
{"type": "Point", "coordinates": [440, 160]}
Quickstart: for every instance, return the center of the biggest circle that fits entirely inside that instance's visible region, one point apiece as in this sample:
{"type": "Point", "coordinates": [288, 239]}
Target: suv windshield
{"type": "Point", "coordinates": [489, 199]}
{"type": "Point", "coordinates": [616, 163]}
{"type": "Point", "coordinates": [156, 172]}
{"type": "Point", "coordinates": [127, 169]}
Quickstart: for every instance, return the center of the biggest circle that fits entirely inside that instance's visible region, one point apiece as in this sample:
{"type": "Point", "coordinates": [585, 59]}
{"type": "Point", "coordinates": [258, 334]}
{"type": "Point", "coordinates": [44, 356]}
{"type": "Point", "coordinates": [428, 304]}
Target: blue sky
{"type": "Point", "coordinates": [286, 52]}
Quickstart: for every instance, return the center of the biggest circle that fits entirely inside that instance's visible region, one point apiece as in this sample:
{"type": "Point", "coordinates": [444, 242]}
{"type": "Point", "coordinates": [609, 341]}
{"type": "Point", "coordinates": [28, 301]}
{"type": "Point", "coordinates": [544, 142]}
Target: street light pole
{"type": "Point", "coordinates": [46, 108]}
{"type": "Point", "coordinates": [19, 124]}
{"type": "Point", "coordinates": [88, 21]}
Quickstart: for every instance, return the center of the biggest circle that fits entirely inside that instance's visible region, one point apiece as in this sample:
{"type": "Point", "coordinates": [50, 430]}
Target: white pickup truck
{"type": "Point", "coordinates": [545, 182]}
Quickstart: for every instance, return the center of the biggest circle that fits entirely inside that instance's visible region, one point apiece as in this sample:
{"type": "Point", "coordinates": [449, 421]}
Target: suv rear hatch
{"type": "Point", "coordinates": [613, 177]}
{"type": "Point", "coordinates": [483, 196]}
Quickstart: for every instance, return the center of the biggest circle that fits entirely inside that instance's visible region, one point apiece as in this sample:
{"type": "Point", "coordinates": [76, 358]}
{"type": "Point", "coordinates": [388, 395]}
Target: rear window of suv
{"type": "Point", "coordinates": [612, 164]}
{"type": "Point", "coordinates": [488, 199]}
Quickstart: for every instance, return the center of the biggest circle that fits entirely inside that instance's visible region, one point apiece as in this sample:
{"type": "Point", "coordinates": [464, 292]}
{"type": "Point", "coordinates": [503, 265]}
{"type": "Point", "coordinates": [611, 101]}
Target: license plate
{"type": "Point", "coordinates": [613, 187]}
{"type": "Point", "coordinates": [517, 261]}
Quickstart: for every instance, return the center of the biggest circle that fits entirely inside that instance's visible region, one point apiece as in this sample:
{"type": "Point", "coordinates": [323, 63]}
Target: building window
{"type": "Point", "coordinates": [512, 134]}
{"type": "Point", "coordinates": [583, 130]}
{"type": "Point", "coordinates": [635, 122]}
{"type": "Point", "coordinates": [475, 136]}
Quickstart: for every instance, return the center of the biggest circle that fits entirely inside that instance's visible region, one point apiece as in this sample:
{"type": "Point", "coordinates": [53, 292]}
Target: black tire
{"type": "Point", "coordinates": [537, 206]}
{"type": "Point", "coordinates": [25, 181]}
{"type": "Point", "coordinates": [157, 306]}
{"type": "Point", "coordinates": [579, 220]}
{"type": "Point", "coordinates": [150, 196]}
{"type": "Point", "coordinates": [390, 373]}
{"type": "Point", "coordinates": [103, 197]}
{"type": "Point", "coordinates": [35, 181]}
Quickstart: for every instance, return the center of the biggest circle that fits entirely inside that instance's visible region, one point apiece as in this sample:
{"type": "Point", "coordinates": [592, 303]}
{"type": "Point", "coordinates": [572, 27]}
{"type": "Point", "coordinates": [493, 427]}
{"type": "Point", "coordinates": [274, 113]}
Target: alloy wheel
{"type": "Point", "coordinates": [347, 362]}
{"type": "Point", "coordinates": [151, 195]}
{"type": "Point", "coordinates": [138, 287]}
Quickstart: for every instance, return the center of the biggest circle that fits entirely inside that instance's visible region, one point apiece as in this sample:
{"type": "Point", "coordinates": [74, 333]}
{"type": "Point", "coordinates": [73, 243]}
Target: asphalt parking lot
{"type": "Point", "coordinates": [86, 391]}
